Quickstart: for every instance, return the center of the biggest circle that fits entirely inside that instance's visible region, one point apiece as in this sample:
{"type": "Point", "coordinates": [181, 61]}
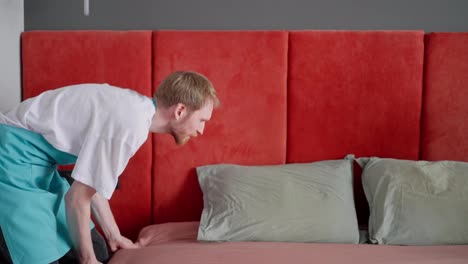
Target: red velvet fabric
{"type": "Point", "coordinates": [248, 70]}
{"type": "Point", "coordinates": [52, 59]}
{"type": "Point", "coordinates": [313, 96]}
{"type": "Point", "coordinates": [354, 92]}
{"type": "Point", "coordinates": [445, 109]}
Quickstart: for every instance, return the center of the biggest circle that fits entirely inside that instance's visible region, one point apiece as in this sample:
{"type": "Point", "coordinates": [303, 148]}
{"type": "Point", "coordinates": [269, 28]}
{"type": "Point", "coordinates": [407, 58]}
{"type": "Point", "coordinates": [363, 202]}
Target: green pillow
{"type": "Point", "coordinates": [310, 202]}
{"type": "Point", "coordinates": [416, 202]}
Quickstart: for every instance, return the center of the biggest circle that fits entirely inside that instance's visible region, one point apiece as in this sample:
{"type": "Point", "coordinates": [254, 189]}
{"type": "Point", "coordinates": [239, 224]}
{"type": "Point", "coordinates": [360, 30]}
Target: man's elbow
{"type": "Point", "coordinates": [79, 194]}
{"type": "Point", "coordinates": [72, 199]}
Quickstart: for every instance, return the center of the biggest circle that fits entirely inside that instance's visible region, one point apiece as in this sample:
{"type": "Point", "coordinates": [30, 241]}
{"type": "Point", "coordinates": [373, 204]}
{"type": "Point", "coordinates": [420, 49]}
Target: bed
{"type": "Point", "coordinates": [176, 243]}
{"type": "Point", "coordinates": [288, 97]}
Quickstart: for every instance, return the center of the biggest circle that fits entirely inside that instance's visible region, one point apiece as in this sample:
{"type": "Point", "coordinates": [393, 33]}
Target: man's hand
{"type": "Point", "coordinates": [103, 214]}
{"type": "Point", "coordinates": [121, 242]}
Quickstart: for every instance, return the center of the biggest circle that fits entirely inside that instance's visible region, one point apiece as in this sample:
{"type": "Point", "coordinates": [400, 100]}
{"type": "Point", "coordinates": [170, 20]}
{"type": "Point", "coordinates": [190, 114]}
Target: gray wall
{"type": "Point", "coordinates": [11, 26]}
{"type": "Point", "coordinates": [428, 15]}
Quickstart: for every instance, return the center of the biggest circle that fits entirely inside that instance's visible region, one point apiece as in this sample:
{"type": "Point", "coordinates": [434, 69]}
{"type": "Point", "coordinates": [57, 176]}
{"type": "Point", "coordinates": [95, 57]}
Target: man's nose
{"type": "Point", "coordinates": [200, 130]}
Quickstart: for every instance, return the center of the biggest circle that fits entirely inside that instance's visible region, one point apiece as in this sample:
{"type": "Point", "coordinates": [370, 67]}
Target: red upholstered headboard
{"type": "Point", "coordinates": [294, 96]}
{"type": "Point", "coordinates": [445, 104]}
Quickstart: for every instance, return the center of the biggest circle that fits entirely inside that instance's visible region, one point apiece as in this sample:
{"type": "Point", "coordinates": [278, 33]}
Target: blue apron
{"type": "Point", "coordinates": [32, 206]}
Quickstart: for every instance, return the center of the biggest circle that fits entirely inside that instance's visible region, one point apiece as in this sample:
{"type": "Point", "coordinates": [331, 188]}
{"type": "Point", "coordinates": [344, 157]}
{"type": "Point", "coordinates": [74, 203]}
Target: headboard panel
{"type": "Point", "coordinates": [52, 59]}
{"type": "Point", "coordinates": [445, 108]}
{"type": "Point", "coordinates": [248, 70]}
{"type": "Point", "coordinates": [354, 92]}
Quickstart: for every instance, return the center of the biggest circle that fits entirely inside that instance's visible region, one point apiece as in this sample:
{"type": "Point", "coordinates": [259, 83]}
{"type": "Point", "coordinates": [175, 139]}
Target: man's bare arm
{"type": "Point", "coordinates": [103, 214]}
{"type": "Point", "coordinates": [78, 210]}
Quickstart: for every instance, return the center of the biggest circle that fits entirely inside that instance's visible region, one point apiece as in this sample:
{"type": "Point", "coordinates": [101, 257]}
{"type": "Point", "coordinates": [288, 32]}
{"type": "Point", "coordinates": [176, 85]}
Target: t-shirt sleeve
{"type": "Point", "coordinates": [100, 163]}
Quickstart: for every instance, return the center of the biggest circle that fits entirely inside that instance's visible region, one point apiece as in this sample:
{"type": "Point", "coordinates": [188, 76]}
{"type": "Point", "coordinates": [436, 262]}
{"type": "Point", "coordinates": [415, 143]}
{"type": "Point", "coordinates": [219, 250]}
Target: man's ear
{"type": "Point", "coordinates": [180, 111]}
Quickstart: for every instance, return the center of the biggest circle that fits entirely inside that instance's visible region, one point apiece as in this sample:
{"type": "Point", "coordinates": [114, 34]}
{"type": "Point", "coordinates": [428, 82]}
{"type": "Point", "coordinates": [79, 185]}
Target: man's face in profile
{"type": "Point", "coordinates": [192, 124]}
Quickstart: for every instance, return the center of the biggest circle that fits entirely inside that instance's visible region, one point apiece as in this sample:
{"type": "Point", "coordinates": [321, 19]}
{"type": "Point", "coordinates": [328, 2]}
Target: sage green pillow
{"type": "Point", "coordinates": [416, 202]}
{"type": "Point", "coordinates": [310, 202]}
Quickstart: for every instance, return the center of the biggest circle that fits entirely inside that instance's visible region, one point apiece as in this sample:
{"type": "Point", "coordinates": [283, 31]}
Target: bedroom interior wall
{"type": "Point", "coordinates": [427, 15]}
{"type": "Point", "coordinates": [11, 26]}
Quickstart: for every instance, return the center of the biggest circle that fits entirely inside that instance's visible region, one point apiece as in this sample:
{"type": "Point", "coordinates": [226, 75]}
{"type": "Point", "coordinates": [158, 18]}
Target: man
{"type": "Point", "coordinates": [99, 128]}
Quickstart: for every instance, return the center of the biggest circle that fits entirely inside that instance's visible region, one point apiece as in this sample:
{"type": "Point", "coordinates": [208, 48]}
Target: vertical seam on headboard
{"type": "Point", "coordinates": [423, 93]}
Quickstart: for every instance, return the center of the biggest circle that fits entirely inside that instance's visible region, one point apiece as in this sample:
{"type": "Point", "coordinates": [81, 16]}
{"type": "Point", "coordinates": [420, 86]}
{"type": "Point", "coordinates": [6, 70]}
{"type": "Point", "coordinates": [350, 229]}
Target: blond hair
{"type": "Point", "coordinates": [186, 87]}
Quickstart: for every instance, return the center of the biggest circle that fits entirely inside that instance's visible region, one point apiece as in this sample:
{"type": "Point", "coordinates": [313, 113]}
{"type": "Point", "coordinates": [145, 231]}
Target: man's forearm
{"type": "Point", "coordinates": [78, 210]}
{"type": "Point", "coordinates": [103, 214]}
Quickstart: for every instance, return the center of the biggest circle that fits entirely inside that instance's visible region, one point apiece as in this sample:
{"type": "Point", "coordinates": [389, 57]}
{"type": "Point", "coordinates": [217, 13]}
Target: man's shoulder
{"type": "Point", "coordinates": [99, 89]}
{"type": "Point", "coordinates": [89, 87]}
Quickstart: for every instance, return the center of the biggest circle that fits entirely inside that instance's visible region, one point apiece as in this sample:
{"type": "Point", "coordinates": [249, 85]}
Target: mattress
{"type": "Point", "coordinates": [176, 243]}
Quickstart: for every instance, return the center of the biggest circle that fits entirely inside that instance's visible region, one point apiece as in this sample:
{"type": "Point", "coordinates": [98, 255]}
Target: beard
{"type": "Point", "coordinates": [179, 138]}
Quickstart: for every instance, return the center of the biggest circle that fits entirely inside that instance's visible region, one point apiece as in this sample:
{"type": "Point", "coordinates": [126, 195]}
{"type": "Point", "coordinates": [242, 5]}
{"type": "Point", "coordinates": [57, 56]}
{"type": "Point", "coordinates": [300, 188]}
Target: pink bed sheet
{"type": "Point", "coordinates": [175, 243]}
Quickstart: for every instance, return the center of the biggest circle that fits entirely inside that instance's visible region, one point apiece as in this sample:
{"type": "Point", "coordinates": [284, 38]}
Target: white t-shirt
{"type": "Point", "coordinates": [100, 124]}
